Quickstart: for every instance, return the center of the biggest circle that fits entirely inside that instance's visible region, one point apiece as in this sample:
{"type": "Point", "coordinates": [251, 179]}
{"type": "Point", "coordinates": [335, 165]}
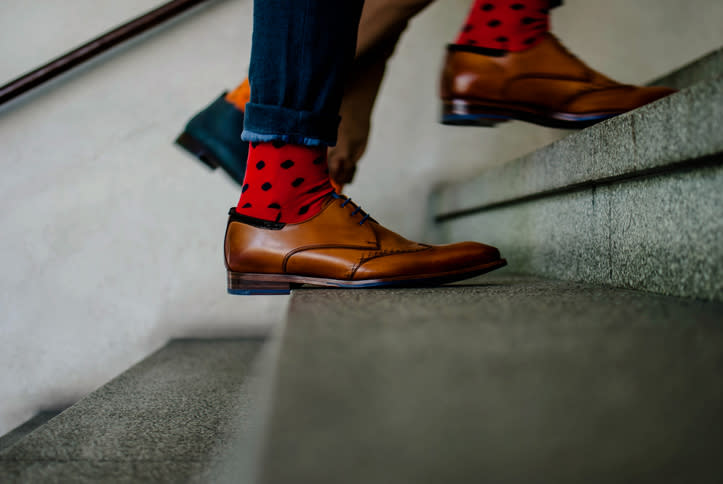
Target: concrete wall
{"type": "Point", "coordinates": [111, 237]}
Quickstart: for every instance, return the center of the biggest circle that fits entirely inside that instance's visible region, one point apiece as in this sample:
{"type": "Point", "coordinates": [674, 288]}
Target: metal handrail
{"type": "Point", "coordinates": [94, 47]}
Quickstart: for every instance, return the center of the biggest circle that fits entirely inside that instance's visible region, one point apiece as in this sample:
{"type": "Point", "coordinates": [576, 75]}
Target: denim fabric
{"type": "Point", "coordinates": [301, 53]}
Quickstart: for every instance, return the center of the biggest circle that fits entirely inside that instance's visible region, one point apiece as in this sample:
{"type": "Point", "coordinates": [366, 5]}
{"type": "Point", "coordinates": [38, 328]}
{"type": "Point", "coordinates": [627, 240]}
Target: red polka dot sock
{"type": "Point", "coordinates": [505, 25]}
{"type": "Point", "coordinates": [284, 182]}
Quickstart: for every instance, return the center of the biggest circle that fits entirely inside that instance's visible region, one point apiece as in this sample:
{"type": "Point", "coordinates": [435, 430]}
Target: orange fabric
{"type": "Point", "coordinates": [240, 96]}
{"type": "Point", "coordinates": [338, 187]}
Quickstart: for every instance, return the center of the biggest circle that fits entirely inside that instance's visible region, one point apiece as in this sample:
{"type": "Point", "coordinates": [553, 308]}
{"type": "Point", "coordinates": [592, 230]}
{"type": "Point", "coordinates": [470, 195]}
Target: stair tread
{"type": "Point", "coordinates": [674, 131]}
{"type": "Point", "coordinates": [504, 379]}
{"type": "Point", "coordinates": [24, 429]}
{"type": "Point", "coordinates": [165, 417]}
{"type": "Point", "coordinates": [709, 66]}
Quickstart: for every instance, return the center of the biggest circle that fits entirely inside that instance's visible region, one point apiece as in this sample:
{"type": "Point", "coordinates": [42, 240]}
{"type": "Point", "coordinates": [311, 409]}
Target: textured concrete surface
{"type": "Point", "coordinates": [659, 234]}
{"type": "Point", "coordinates": [95, 147]}
{"type": "Point", "coordinates": [502, 380]}
{"type": "Point", "coordinates": [681, 128]}
{"type": "Point", "coordinates": [164, 420]}
{"type": "Point", "coordinates": [707, 67]}
{"type": "Point", "coordinates": [118, 234]}
{"type": "Point", "coordinates": [112, 238]}
{"type": "Point", "coordinates": [22, 430]}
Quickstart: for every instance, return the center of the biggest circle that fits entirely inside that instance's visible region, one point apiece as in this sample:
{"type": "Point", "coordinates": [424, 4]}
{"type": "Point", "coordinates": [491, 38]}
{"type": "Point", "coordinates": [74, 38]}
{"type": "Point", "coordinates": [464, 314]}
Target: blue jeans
{"type": "Point", "coordinates": [301, 53]}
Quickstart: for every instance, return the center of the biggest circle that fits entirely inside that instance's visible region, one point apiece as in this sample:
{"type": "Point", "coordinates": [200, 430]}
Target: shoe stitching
{"type": "Point", "coordinates": [566, 102]}
{"type": "Point", "coordinates": [305, 248]}
{"type": "Point", "coordinates": [506, 88]}
{"type": "Point", "coordinates": [383, 253]}
{"type": "Point", "coordinates": [578, 95]}
{"type": "Point", "coordinates": [547, 76]}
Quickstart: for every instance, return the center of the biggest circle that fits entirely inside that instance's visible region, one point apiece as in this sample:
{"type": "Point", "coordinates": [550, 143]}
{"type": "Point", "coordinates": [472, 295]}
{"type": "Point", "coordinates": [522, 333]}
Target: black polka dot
{"type": "Point", "coordinates": [502, 39]}
{"type": "Point", "coordinates": [528, 21]}
{"type": "Point", "coordinates": [246, 205]}
{"type": "Point", "coordinates": [487, 7]}
{"type": "Point", "coordinates": [277, 143]}
{"type": "Point", "coordinates": [315, 189]}
{"type": "Point", "coordinates": [245, 187]}
{"type": "Point", "coordinates": [494, 23]}
{"type": "Point", "coordinates": [517, 6]}
{"type": "Point", "coordinates": [530, 41]}
{"type": "Point", "coordinates": [304, 209]}
{"type": "Point", "coordinates": [278, 217]}
{"type": "Point", "coordinates": [544, 11]}
{"type": "Point", "coordinates": [287, 164]}
{"type": "Point", "coordinates": [254, 144]}
{"type": "Point", "coordinates": [319, 160]}
{"type": "Point", "coordinates": [275, 205]}
{"type": "Point", "coordinates": [266, 186]}
{"type": "Point", "coordinates": [260, 165]}
{"type": "Point", "coordinates": [471, 42]}
{"type": "Point", "coordinates": [297, 182]}
{"type": "Point", "coordinates": [468, 28]}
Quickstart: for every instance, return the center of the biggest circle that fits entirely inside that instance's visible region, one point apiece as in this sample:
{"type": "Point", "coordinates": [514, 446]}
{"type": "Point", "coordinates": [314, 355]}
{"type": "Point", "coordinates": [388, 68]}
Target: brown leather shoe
{"type": "Point", "coordinates": [545, 85]}
{"type": "Point", "coordinates": [341, 247]}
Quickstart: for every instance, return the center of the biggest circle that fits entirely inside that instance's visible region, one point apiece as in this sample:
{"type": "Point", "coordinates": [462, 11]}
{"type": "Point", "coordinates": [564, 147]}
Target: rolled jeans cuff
{"type": "Point", "coordinates": [289, 125]}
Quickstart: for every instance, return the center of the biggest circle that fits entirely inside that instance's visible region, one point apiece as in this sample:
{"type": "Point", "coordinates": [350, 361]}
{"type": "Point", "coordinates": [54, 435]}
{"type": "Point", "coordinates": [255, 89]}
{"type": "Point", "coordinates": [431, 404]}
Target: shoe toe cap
{"type": "Point", "coordinates": [429, 261]}
{"type": "Point", "coordinates": [617, 100]}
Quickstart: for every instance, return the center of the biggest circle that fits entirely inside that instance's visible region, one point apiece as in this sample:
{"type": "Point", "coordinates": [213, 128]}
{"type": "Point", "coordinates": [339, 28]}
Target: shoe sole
{"type": "Point", "coordinates": [247, 284]}
{"type": "Point", "coordinates": [458, 112]}
{"type": "Point", "coordinates": [198, 150]}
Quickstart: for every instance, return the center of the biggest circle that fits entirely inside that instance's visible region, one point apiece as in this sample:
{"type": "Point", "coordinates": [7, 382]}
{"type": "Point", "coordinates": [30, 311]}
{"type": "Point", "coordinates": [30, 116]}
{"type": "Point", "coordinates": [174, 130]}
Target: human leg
{"type": "Point", "coordinates": [213, 135]}
{"type": "Point", "coordinates": [500, 26]}
{"type": "Point", "coordinates": [505, 64]}
{"type": "Point", "coordinates": [382, 24]}
{"type": "Point", "coordinates": [295, 106]}
{"type": "Point", "coordinates": [301, 55]}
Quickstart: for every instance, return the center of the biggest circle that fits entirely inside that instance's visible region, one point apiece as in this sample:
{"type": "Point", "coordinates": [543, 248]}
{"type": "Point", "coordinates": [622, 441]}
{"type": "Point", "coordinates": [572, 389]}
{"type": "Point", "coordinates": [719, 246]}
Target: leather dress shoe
{"type": "Point", "coordinates": [341, 247]}
{"type": "Point", "coordinates": [545, 85]}
{"type": "Point", "coordinates": [214, 137]}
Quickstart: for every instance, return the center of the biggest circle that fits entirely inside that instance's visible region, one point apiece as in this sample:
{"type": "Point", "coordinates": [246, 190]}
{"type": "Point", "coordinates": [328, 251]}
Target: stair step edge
{"type": "Point", "coordinates": [181, 404]}
{"type": "Point", "coordinates": [709, 66]}
{"type": "Point", "coordinates": [681, 129]}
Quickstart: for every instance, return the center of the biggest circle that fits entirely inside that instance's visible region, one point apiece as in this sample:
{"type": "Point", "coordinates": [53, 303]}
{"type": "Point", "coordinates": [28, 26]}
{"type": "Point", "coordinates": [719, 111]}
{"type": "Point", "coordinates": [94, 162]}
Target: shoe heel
{"type": "Point", "coordinates": [243, 285]}
{"type": "Point", "coordinates": [196, 148]}
{"type": "Point", "coordinates": [461, 113]}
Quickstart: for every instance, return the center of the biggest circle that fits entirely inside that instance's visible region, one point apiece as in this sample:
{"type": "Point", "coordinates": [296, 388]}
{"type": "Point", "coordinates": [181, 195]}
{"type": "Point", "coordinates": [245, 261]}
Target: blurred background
{"type": "Point", "coordinates": [112, 237]}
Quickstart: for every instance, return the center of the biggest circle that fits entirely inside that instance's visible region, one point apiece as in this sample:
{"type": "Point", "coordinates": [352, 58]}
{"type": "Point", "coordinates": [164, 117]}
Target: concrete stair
{"type": "Point", "coordinates": [634, 202]}
{"type": "Point", "coordinates": [167, 419]}
{"type": "Point", "coordinates": [500, 379]}
{"type": "Point", "coordinates": [504, 379]}
{"type": "Point", "coordinates": [38, 420]}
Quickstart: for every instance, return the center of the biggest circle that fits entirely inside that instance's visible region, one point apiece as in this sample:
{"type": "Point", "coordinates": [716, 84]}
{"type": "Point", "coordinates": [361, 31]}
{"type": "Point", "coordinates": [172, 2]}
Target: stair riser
{"type": "Point", "coordinates": [660, 233]}
{"type": "Point", "coordinates": [679, 129]}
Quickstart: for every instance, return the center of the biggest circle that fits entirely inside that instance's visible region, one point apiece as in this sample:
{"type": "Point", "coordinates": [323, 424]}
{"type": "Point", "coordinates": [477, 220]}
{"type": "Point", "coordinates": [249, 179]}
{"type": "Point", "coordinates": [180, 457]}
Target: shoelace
{"type": "Point", "coordinates": [357, 210]}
